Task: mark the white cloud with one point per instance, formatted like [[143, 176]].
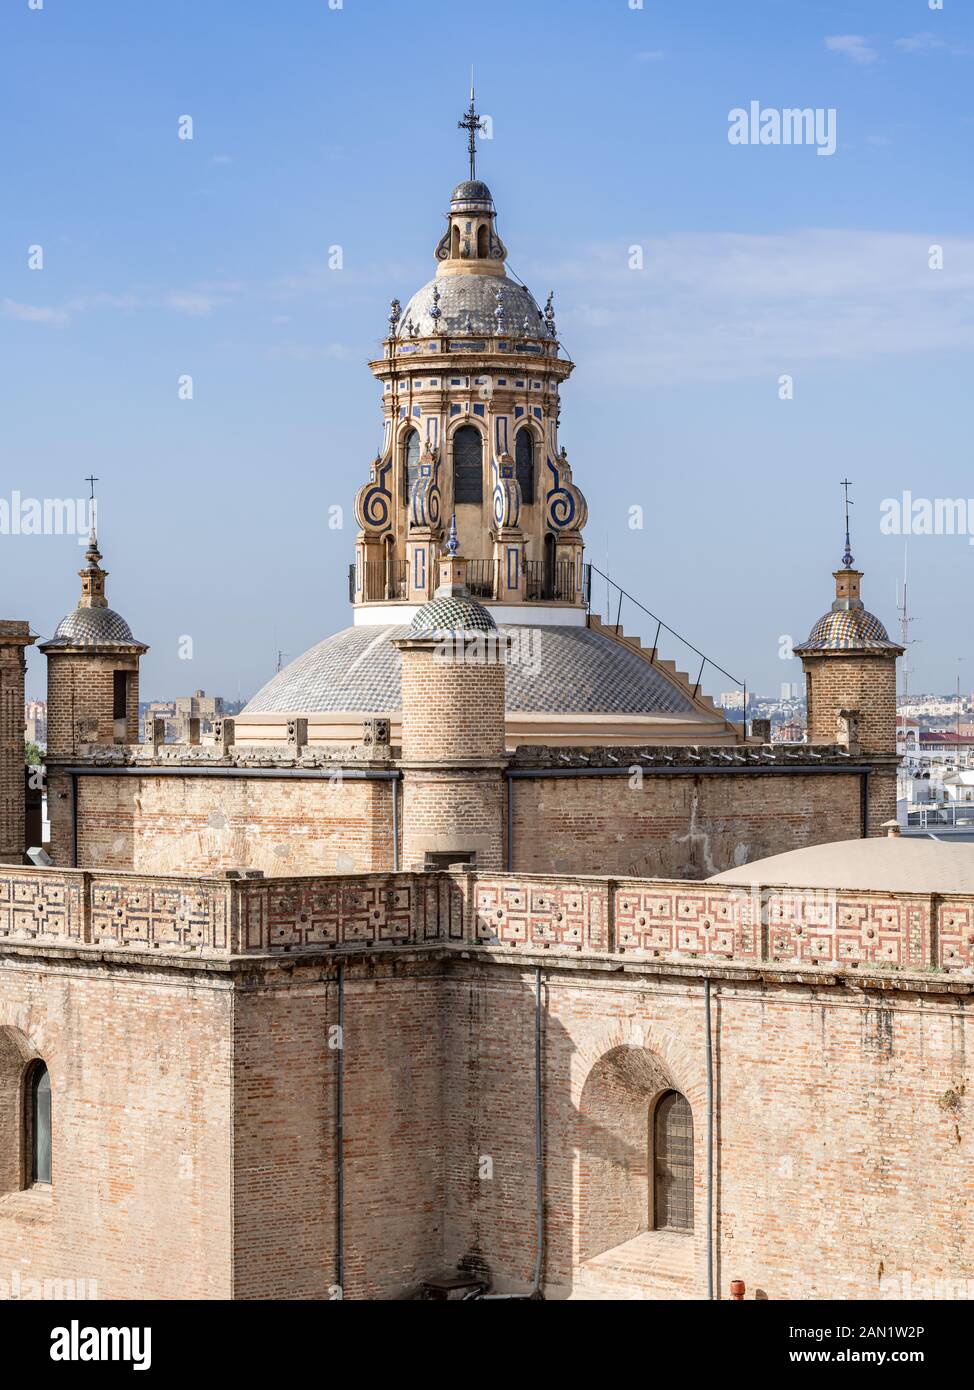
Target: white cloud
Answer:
[[932, 43], [921, 43], [31, 313], [310, 352], [854, 46], [188, 302], [728, 305]]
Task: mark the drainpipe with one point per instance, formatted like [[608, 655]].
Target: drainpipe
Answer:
[[864, 800], [340, 1139], [395, 825], [510, 825], [710, 1139], [74, 818], [538, 1142]]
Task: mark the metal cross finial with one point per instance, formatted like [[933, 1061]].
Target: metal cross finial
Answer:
[[471, 123], [91, 482], [847, 558]]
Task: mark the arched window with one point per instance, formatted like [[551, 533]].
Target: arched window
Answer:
[[673, 1163], [524, 464], [548, 576], [468, 467], [410, 466], [482, 242], [39, 1121]]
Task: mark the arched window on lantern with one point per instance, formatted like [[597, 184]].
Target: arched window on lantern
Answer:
[[410, 464], [468, 466], [673, 1163], [524, 464]]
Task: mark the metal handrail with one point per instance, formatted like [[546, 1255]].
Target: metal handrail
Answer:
[[661, 627]]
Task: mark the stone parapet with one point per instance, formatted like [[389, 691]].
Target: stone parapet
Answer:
[[638, 920]]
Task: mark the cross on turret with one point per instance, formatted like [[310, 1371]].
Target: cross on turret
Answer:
[[472, 123], [847, 558]]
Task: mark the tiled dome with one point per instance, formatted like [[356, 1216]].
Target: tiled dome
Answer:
[[91, 627], [471, 191], [851, 629], [574, 670], [449, 615], [467, 306]]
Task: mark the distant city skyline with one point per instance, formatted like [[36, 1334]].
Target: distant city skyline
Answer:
[[259, 258]]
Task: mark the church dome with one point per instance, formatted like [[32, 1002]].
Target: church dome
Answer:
[[470, 194], [454, 614], [852, 629], [91, 627], [572, 670], [468, 305]]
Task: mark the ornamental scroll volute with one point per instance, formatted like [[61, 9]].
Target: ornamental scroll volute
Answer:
[[506, 494], [373, 501], [565, 505]]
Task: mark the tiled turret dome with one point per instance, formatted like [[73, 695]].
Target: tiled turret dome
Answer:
[[852, 629], [471, 191], [92, 623], [91, 627], [449, 615]]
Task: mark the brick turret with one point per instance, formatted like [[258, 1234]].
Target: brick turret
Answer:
[[453, 748], [92, 690], [15, 637], [850, 672]]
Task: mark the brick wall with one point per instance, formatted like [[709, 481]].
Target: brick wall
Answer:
[[447, 812], [866, 684], [678, 827], [842, 1130], [81, 687], [171, 824], [452, 720], [450, 709], [140, 1065], [841, 1045], [13, 637]]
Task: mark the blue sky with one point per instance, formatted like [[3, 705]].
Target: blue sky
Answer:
[[316, 127]]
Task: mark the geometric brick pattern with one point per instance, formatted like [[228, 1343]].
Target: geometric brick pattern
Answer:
[[513, 913], [826, 928], [40, 907], [955, 934], [651, 917], [698, 921], [298, 913], [157, 914], [794, 927]]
